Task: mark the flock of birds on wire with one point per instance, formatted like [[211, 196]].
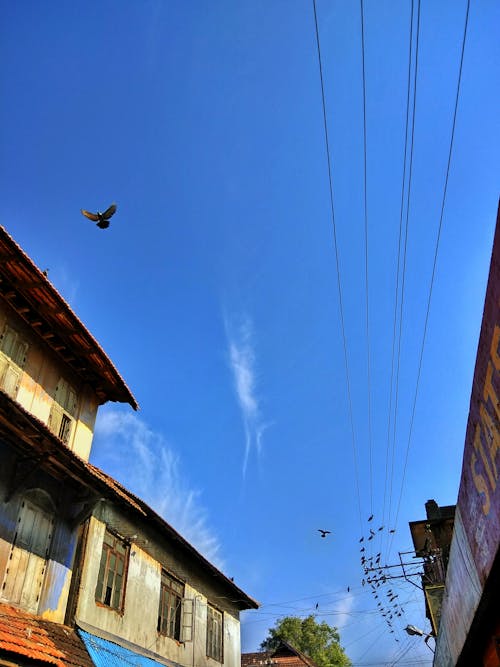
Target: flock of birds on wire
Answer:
[[375, 576]]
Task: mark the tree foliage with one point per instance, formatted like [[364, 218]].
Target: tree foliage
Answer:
[[319, 641]]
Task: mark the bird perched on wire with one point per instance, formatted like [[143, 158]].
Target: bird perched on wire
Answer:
[[102, 219], [324, 533]]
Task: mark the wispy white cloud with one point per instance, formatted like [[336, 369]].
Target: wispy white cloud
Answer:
[[143, 461], [241, 352], [344, 607]]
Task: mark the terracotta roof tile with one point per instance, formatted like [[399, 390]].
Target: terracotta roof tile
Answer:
[[35, 638], [27, 279]]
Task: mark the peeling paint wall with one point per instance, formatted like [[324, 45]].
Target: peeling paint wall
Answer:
[[137, 621], [40, 374], [57, 499]]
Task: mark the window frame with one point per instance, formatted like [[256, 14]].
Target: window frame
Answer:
[[215, 640], [170, 589], [62, 417], [110, 550], [13, 354]]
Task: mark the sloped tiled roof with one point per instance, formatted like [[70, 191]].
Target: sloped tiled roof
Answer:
[[29, 292], [285, 655], [25, 431], [40, 640]]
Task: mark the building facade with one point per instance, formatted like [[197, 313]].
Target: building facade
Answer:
[[76, 547], [469, 629]]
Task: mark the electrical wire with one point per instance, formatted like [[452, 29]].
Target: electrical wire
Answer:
[[367, 309], [396, 296], [436, 250], [405, 246], [337, 263]]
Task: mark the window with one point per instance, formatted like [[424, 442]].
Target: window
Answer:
[[13, 351], [214, 634], [170, 609], [63, 409], [110, 587]]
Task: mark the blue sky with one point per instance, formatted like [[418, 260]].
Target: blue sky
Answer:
[[215, 292]]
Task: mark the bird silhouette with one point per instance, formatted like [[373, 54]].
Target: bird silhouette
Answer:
[[324, 533], [317, 605], [102, 219], [370, 518]]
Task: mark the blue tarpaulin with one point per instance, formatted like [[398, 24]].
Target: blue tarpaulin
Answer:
[[108, 654]]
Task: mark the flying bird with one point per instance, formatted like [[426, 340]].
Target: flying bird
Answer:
[[102, 219], [370, 518], [324, 533]]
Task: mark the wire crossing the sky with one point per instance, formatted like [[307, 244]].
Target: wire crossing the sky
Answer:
[[397, 282], [436, 250], [368, 365], [405, 247], [339, 283]]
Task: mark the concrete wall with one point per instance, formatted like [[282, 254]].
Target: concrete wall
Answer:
[[137, 622], [39, 378]]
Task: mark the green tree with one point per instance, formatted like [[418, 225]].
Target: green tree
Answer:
[[319, 641]]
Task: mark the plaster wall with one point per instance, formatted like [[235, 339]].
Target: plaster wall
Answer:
[[57, 500], [39, 378], [137, 621]]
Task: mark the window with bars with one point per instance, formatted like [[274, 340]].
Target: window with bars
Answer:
[[170, 608], [110, 589], [215, 648]]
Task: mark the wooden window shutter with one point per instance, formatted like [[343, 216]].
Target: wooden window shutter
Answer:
[[187, 620]]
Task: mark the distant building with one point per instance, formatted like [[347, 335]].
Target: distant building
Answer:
[[285, 655], [87, 569], [469, 630], [432, 540]]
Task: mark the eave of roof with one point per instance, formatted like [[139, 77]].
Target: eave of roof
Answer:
[[29, 292], [18, 426], [41, 640]]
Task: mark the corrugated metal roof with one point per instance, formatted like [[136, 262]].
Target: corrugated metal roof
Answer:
[[105, 653], [37, 639], [29, 292]]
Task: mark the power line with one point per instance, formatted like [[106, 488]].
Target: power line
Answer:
[[436, 250], [396, 296], [405, 245], [366, 261], [337, 263]]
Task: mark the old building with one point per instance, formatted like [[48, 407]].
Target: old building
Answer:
[[432, 540], [469, 630], [284, 655], [75, 546]]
